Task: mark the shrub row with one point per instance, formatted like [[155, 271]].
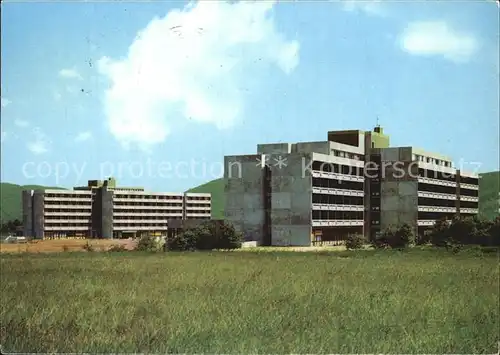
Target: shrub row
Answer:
[[208, 236], [465, 231]]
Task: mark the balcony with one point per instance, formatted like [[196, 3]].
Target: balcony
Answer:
[[426, 222], [469, 198], [337, 222], [437, 209], [333, 191], [67, 228], [469, 210], [65, 214], [146, 200], [67, 220], [74, 207], [427, 180], [469, 186], [437, 195], [337, 176], [140, 221], [131, 207], [83, 198]]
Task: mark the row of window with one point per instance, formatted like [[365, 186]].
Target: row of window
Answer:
[[337, 199], [342, 154], [437, 188], [132, 203], [331, 215], [430, 160], [62, 195], [337, 168], [337, 184], [149, 197], [65, 210], [56, 204]]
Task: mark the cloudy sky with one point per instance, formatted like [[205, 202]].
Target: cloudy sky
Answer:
[[156, 93]]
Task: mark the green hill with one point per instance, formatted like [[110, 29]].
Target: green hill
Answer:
[[489, 194], [216, 188], [11, 202]]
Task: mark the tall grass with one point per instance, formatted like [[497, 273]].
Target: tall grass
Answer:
[[336, 302]]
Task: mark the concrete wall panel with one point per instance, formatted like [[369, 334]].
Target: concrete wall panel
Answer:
[[253, 201], [253, 216], [279, 217], [234, 200], [281, 200], [274, 148], [291, 235], [408, 188], [389, 203], [405, 154], [234, 185], [390, 154]]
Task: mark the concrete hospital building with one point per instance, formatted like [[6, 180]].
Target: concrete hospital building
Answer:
[[353, 182], [103, 210]]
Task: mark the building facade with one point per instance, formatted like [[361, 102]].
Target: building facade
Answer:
[[103, 210], [352, 183]]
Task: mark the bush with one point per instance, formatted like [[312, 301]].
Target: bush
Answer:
[[208, 236], [182, 242], [400, 237], [382, 240], [440, 234], [403, 237], [147, 243], [424, 238], [355, 241], [494, 233], [88, 247], [117, 248]]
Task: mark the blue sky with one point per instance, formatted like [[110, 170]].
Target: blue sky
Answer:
[[156, 93]]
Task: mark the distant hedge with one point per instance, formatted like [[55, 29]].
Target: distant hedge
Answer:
[[207, 236], [466, 231]]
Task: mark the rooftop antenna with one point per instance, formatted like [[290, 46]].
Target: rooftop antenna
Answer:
[[378, 125]]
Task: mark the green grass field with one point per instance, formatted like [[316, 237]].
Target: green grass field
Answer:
[[247, 302]]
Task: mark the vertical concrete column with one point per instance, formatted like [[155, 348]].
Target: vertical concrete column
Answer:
[[457, 202], [107, 213], [38, 217], [27, 213]]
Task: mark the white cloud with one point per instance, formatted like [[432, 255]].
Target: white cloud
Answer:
[[371, 7], [71, 89], [436, 38], [5, 102], [57, 95], [83, 136], [40, 144], [21, 123], [70, 74], [191, 64]]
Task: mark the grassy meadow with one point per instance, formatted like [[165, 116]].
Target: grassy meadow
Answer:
[[415, 301]]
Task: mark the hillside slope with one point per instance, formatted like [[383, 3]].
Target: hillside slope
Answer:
[[11, 201], [489, 194], [216, 188]]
